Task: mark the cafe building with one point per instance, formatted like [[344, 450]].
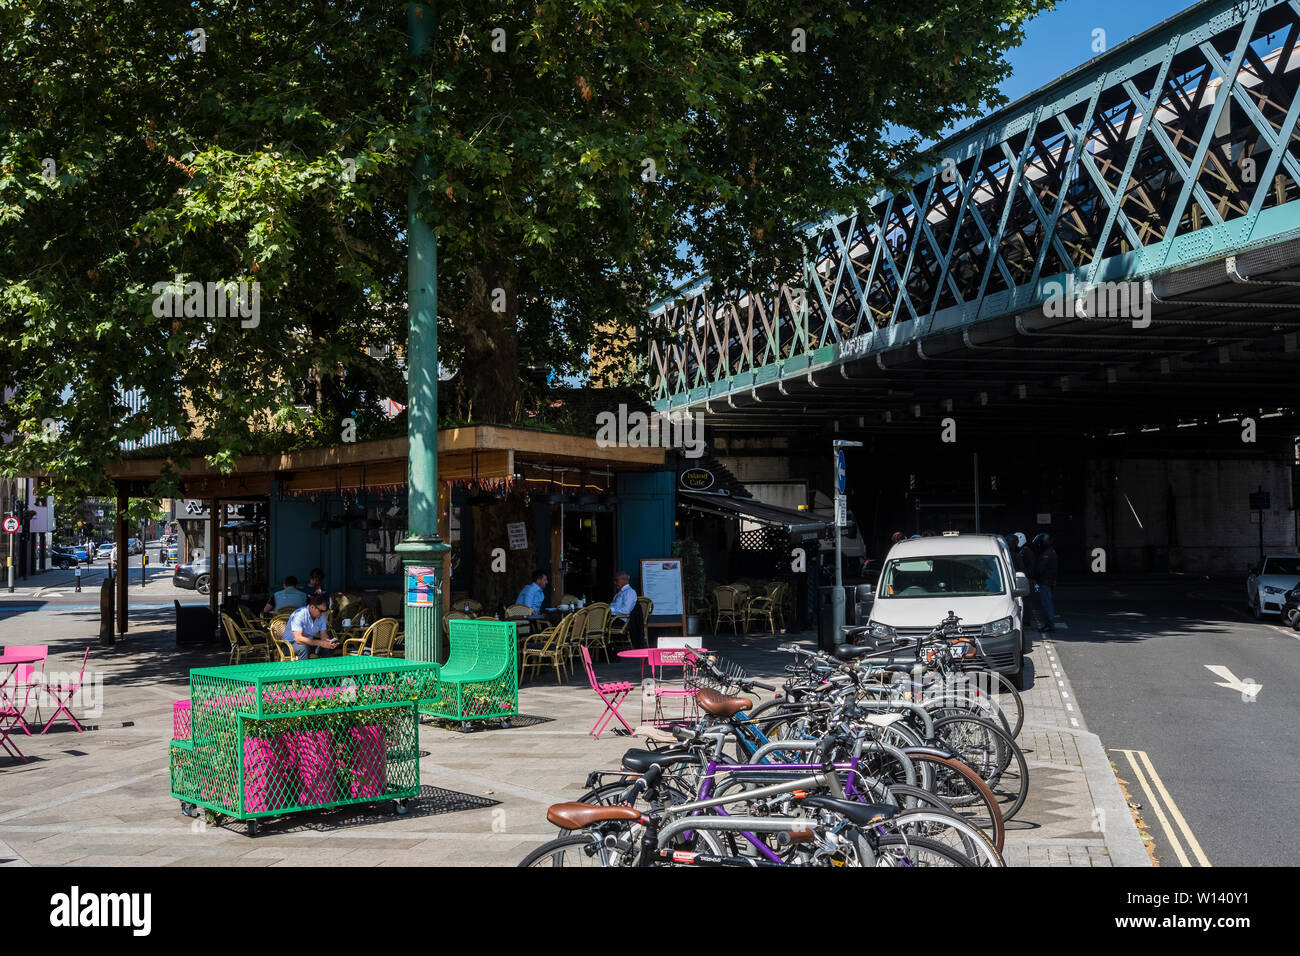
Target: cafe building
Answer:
[[511, 500]]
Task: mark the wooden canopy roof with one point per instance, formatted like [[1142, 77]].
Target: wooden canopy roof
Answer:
[[483, 452]]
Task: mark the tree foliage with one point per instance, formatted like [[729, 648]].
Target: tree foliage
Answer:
[[584, 155]]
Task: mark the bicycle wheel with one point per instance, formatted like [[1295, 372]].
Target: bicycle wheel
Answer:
[[678, 785], [1003, 693], [572, 851], [793, 727], [950, 829], [606, 795], [954, 700], [988, 750], [964, 791], [904, 851]]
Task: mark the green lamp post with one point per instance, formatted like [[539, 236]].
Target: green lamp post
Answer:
[[422, 550]]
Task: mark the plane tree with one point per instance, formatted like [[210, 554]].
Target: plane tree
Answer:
[[583, 155]]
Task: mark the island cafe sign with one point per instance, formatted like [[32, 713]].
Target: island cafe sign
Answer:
[[696, 479]]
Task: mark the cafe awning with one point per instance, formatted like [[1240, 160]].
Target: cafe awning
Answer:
[[469, 454], [729, 506]]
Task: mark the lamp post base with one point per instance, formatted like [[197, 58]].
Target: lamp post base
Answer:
[[422, 565]]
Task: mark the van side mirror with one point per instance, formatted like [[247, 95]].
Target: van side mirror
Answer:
[[1021, 587]]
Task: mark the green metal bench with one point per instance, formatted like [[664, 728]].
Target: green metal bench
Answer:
[[481, 677]]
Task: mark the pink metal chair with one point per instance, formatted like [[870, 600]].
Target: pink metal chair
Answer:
[[63, 694], [25, 683], [612, 694], [13, 707]]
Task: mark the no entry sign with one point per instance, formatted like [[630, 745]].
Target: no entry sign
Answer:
[[11, 524]]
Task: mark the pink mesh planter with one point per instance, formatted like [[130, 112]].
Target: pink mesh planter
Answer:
[[316, 769], [368, 760], [270, 777], [181, 720]]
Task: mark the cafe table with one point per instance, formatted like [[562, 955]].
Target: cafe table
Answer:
[[660, 657], [9, 712]]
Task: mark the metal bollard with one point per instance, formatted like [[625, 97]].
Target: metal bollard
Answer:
[[78, 578], [144, 573], [106, 611]]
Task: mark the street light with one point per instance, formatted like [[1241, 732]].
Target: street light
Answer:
[[841, 517], [422, 550]]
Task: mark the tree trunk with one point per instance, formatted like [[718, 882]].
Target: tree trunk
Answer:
[[488, 388], [496, 588]]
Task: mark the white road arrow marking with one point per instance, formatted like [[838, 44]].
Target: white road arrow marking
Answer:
[[1248, 689]]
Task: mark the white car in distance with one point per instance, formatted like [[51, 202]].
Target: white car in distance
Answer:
[[1269, 580]]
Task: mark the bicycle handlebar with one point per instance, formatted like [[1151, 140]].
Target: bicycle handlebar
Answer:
[[647, 780]]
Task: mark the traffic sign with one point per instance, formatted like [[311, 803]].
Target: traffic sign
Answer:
[[11, 524], [839, 472], [1259, 501]]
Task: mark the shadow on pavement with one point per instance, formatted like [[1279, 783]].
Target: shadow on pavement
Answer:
[[432, 802]]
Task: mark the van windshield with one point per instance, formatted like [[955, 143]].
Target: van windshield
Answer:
[[949, 575]]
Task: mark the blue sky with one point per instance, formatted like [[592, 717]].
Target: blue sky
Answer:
[[1061, 39]]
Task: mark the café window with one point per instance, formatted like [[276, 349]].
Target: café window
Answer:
[[385, 529]]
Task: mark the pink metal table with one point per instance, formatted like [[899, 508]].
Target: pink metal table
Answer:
[[661, 657], [9, 712]]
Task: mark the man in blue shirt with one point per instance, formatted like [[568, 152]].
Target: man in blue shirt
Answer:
[[289, 596], [624, 598], [532, 594], [306, 627]]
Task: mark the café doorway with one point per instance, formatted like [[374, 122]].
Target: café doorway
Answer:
[[589, 554]]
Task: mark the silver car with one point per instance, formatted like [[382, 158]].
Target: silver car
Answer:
[[1268, 582]]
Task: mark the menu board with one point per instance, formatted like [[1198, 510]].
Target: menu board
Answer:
[[661, 582]]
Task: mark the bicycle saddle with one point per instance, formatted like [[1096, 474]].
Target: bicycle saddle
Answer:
[[639, 761], [850, 652], [884, 720], [720, 705], [575, 816], [861, 814], [655, 734]]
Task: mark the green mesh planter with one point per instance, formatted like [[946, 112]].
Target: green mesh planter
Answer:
[[481, 677], [269, 739]]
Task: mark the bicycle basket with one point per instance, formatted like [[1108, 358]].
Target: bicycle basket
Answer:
[[716, 673]]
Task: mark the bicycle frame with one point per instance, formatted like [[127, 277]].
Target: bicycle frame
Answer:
[[687, 814]]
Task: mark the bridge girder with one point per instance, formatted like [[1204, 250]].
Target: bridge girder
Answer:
[[1172, 161]]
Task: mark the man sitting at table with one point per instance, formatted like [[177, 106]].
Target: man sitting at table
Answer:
[[624, 597], [307, 630], [532, 594], [289, 596]]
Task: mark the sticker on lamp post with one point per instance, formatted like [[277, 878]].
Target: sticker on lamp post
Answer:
[[421, 586]]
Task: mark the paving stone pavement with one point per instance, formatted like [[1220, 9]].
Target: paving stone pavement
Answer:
[[101, 798]]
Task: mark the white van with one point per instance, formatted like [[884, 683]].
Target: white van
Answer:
[[971, 575]]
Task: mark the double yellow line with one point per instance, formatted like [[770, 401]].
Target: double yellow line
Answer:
[[1151, 785]]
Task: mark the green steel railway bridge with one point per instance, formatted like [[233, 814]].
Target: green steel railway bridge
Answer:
[[1118, 250]]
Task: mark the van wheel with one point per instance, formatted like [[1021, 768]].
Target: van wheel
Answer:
[[1018, 678]]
